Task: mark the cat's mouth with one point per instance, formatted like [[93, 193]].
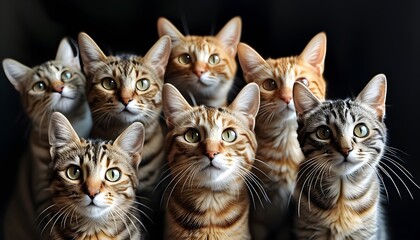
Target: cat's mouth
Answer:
[[210, 166]]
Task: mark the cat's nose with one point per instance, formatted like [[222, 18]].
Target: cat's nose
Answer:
[[345, 151], [125, 101], [211, 154], [57, 87], [286, 99]]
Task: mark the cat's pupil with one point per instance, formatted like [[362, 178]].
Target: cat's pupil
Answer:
[[39, 86], [214, 59], [66, 75], [185, 58], [192, 136], [361, 130], [269, 85], [113, 175], [323, 132], [73, 172], [143, 84], [109, 83], [229, 135]]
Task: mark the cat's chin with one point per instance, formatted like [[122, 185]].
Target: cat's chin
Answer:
[[93, 211]]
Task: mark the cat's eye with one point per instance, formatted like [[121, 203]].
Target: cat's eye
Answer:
[[361, 130], [229, 135], [192, 135], [214, 59], [143, 84], [74, 172], [109, 83], [303, 80], [184, 58], [269, 85], [323, 132], [66, 76], [39, 86], [113, 174]]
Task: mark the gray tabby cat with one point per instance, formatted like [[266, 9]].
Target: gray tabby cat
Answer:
[[93, 184], [54, 86], [338, 190]]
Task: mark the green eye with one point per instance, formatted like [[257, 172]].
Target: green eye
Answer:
[[143, 84], [323, 132], [39, 86], [269, 85], [184, 58], [66, 76], [113, 174], [109, 83], [361, 130], [192, 135], [214, 59], [73, 172], [229, 135]]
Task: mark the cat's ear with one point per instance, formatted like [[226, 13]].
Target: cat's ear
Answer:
[[374, 95], [247, 102], [61, 132], [159, 54], [89, 51], [66, 55], [315, 51], [174, 104], [165, 27], [304, 99], [250, 60], [131, 140], [16, 72], [230, 35]]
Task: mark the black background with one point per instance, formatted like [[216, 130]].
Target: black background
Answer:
[[364, 38]]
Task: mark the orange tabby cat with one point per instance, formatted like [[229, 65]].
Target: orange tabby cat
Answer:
[[203, 68], [278, 151]]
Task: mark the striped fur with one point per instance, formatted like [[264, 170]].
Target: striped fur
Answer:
[[207, 196], [53, 86], [278, 151], [200, 79], [338, 187], [93, 185]]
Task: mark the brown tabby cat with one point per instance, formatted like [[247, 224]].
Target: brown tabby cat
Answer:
[[203, 68], [210, 154], [53, 86], [278, 151], [338, 185], [93, 184]]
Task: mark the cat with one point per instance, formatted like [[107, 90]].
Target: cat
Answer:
[[93, 184], [210, 154], [203, 68], [53, 86], [338, 186], [278, 151]]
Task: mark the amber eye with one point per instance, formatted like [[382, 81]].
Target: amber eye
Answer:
[[184, 58], [214, 59], [323, 132], [109, 83], [192, 135], [303, 80], [73, 172], [39, 86], [66, 76], [269, 85], [113, 174], [229, 135], [143, 84], [361, 130]]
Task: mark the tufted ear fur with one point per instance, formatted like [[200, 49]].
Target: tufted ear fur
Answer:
[[374, 95], [304, 99], [315, 51], [174, 103], [247, 102]]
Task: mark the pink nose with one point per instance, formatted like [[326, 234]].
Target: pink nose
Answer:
[[211, 154]]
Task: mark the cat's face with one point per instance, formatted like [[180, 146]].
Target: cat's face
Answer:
[[202, 64], [276, 77], [56, 85], [343, 136], [210, 147], [124, 88]]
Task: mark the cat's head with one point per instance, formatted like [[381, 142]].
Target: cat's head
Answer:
[[124, 88], [345, 135], [211, 147], [202, 64], [276, 77], [56, 85], [90, 177]]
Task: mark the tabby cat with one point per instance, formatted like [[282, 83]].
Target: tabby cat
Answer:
[[93, 184], [123, 89], [338, 186], [210, 154], [278, 151], [53, 86], [203, 68]]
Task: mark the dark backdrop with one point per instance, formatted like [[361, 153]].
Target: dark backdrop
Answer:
[[364, 38]]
